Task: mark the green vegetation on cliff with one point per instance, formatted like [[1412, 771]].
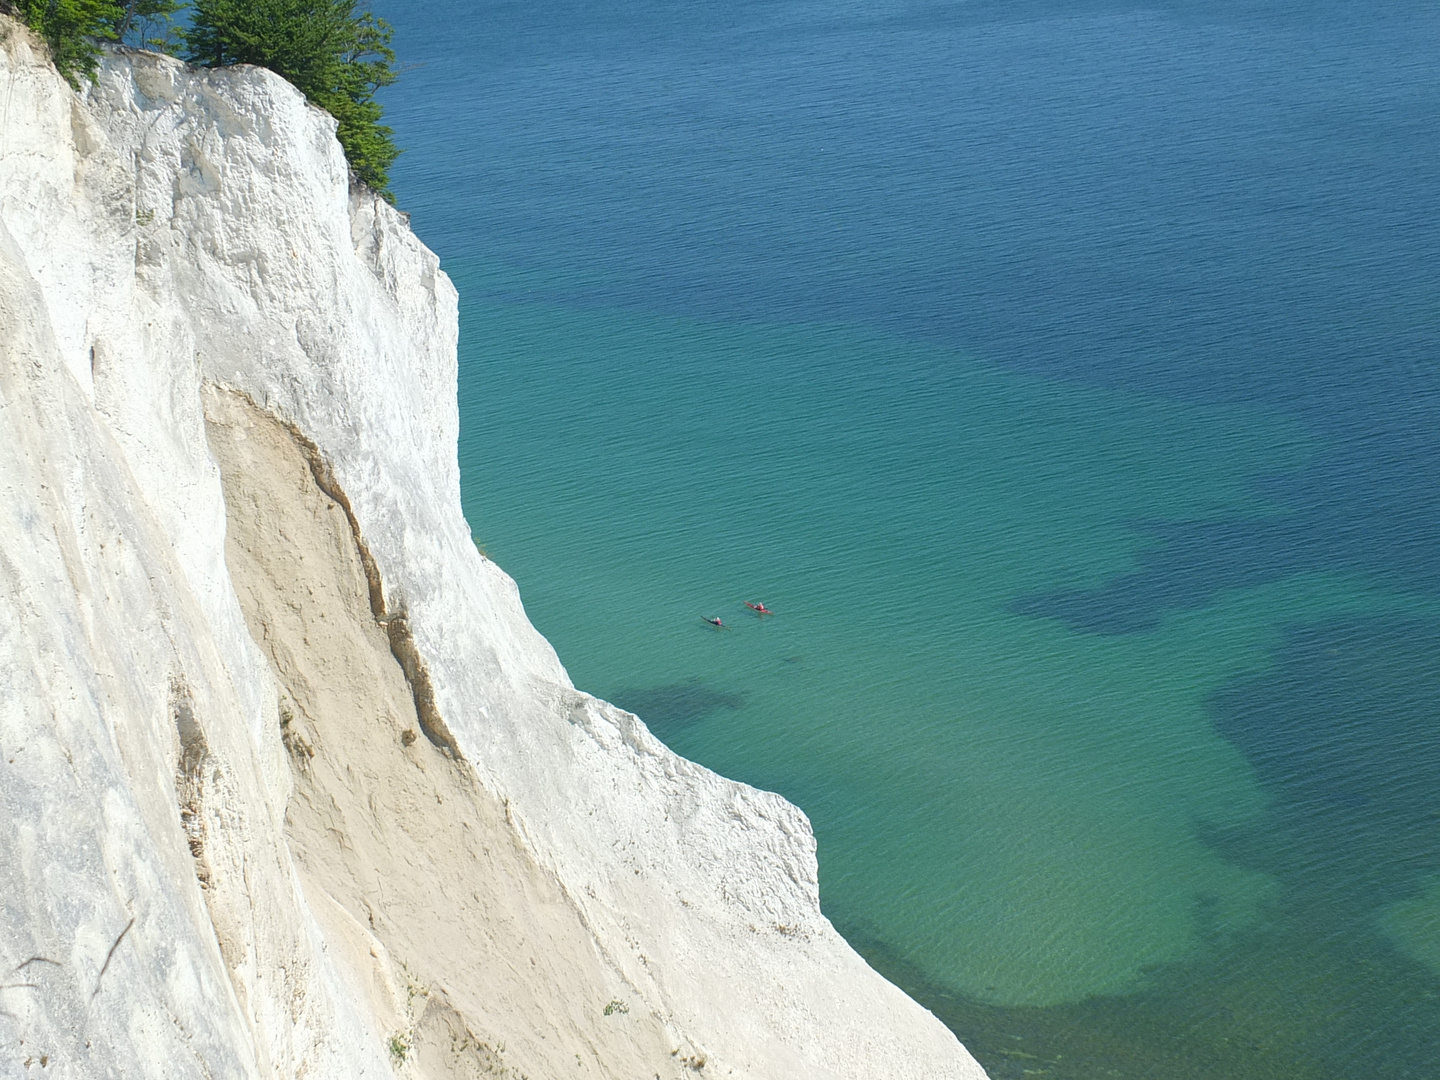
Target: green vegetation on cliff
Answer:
[[337, 56], [335, 52], [74, 29]]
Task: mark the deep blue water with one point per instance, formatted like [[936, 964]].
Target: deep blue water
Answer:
[[1068, 377]]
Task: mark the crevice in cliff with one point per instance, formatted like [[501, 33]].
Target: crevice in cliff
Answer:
[[206, 800], [190, 776]]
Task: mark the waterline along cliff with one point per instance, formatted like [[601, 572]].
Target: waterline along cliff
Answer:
[[290, 785]]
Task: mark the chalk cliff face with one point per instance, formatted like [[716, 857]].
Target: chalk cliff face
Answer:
[[290, 785]]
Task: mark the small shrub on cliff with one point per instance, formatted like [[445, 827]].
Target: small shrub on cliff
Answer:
[[399, 1048], [335, 55]]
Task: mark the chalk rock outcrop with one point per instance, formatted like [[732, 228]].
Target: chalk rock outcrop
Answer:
[[290, 785]]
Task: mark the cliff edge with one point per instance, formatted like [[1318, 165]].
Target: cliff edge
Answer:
[[291, 787]]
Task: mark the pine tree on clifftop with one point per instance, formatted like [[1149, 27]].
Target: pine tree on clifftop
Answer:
[[337, 56]]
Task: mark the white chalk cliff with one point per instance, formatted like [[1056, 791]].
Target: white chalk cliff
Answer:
[[289, 786]]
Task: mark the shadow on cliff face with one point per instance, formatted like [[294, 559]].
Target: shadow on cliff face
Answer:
[[671, 708]]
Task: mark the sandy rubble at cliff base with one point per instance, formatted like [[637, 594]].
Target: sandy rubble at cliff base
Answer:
[[472, 958]]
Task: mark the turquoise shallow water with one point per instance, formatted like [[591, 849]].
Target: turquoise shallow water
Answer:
[[1013, 813], [1066, 381]]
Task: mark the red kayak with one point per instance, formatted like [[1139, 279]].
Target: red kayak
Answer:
[[759, 609]]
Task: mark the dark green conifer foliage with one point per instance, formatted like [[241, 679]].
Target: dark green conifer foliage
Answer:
[[336, 56]]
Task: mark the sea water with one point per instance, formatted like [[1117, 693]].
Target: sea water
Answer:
[[1066, 378]]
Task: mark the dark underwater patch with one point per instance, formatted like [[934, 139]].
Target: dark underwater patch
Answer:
[[673, 707], [1270, 1007], [1367, 506], [1344, 734], [1188, 565]]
